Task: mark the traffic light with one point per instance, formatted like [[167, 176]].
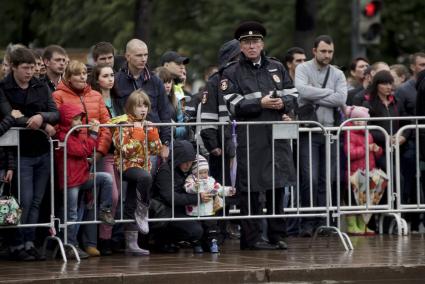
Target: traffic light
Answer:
[[369, 29]]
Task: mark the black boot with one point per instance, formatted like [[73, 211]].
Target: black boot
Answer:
[[105, 247]]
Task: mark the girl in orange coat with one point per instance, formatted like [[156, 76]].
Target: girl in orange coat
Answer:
[[133, 145]]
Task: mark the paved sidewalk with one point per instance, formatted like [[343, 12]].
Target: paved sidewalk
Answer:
[[380, 259]]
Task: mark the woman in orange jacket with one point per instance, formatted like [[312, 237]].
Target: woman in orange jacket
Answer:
[[74, 90]]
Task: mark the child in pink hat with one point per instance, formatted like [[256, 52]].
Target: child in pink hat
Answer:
[[356, 148]]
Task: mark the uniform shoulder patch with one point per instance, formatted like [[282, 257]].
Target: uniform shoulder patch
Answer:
[[204, 97], [224, 84]]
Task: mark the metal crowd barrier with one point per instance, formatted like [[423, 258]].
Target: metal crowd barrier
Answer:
[[281, 130], [418, 204], [11, 139], [384, 209], [290, 131]]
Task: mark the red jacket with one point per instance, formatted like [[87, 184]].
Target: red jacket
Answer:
[[357, 150], [92, 103], [80, 147]]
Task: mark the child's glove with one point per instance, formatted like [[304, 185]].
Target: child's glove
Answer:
[[94, 125]]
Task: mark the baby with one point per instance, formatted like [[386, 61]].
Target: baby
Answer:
[[200, 181]]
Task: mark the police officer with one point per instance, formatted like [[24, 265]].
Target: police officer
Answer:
[[258, 88], [214, 110]]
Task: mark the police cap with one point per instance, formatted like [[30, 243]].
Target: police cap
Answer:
[[250, 29]]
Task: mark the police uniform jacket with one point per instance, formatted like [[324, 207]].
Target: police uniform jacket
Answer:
[[242, 87], [214, 110]]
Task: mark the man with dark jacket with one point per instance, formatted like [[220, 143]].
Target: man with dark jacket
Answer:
[[27, 94], [136, 75], [258, 88]]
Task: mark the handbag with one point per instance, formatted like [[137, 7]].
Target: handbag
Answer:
[[10, 210], [307, 112]]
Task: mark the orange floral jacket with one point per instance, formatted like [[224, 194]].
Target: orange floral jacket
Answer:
[[132, 144]]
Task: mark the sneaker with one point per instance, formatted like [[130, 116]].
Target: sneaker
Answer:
[[141, 216], [105, 215], [21, 255], [70, 253], [34, 252], [92, 251], [214, 247]]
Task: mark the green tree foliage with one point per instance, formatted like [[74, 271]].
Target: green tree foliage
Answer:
[[80, 23], [198, 28], [205, 25]]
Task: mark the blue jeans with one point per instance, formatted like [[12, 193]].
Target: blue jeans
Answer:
[[34, 177], [78, 213]]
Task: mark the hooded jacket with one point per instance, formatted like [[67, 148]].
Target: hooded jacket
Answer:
[[214, 108], [80, 146], [357, 150], [183, 151], [93, 106]]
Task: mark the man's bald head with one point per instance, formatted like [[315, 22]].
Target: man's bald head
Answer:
[[135, 44], [136, 53]]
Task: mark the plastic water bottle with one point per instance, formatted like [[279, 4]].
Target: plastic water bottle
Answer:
[[214, 246]]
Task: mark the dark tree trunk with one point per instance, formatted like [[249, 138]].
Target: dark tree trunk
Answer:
[[141, 19], [305, 24], [27, 36]]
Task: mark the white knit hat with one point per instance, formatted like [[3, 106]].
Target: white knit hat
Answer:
[[200, 163]]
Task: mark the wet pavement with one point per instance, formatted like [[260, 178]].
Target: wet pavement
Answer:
[[380, 259]]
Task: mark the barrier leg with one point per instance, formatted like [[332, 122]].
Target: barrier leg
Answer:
[[60, 246], [381, 224], [348, 240], [405, 227], [77, 256], [401, 224], [334, 230]]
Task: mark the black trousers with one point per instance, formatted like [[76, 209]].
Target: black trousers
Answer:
[[251, 229], [139, 186], [176, 231], [216, 169]]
